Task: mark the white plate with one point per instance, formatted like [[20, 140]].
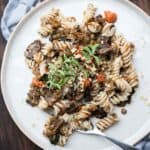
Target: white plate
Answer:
[[16, 77]]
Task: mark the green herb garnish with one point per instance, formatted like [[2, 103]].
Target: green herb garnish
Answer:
[[89, 52], [59, 75]]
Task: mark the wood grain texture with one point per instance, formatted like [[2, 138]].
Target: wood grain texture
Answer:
[[10, 136]]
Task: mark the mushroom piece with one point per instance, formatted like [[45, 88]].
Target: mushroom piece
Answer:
[[33, 48]]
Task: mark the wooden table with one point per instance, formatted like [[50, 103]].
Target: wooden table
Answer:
[[10, 136]]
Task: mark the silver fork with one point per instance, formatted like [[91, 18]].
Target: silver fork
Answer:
[[95, 131]]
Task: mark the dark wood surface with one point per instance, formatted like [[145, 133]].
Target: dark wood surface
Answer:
[[10, 136]]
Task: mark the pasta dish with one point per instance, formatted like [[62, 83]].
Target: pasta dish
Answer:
[[81, 71]]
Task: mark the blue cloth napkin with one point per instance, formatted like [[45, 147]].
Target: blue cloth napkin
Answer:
[[13, 12]]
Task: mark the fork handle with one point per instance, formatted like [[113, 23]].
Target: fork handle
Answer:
[[120, 144]]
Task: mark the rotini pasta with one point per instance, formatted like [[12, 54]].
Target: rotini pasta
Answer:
[[119, 97], [38, 57], [95, 88], [102, 100], [46, 30], [69, 23], [132, 77], [60, 107], [117, 64], [61, 45], [127, 52], [89, 13], [51, 18], [86, 111], [107, 122], [123, 85], [47, 49]]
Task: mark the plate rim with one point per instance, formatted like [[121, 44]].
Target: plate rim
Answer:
[[6, 51]]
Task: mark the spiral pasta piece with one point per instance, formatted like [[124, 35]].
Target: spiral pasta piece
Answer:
[[107, 122], [95, 88], [62, 45], [47, 49], [117, 64], [123, 85], [60, 107], [46, 30], [127, 52], [89, 13], [119, 97], [69, 23], [132, 77], [50, 16], [86, 111], [38, 57], [108, 30], [118, 41], [102, 100]]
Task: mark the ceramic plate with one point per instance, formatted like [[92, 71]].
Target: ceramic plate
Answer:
[[16, 77]]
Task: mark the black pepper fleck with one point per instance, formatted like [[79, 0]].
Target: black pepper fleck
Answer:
[[123, 111]]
